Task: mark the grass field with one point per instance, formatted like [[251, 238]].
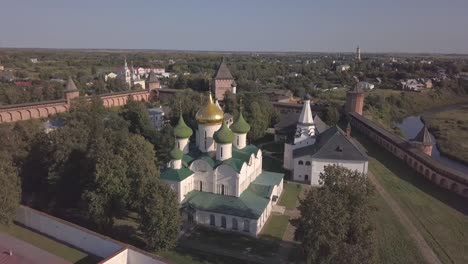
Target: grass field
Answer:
[[451, 131], [275, 226], [186, 256], [440, 216], [290, 194], [49, 245]]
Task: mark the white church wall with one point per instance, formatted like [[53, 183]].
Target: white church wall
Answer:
[[203, 218], [204, 173], [319, 165], [302, 171], [205, 137], [226, 176]]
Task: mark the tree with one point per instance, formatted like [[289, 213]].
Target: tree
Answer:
[[10, 190], [159, 216], [334, 226], [332, 116]]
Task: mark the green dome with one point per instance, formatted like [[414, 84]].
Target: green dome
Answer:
[[176, 153], [181, 130], [224, 135], [240, 126]]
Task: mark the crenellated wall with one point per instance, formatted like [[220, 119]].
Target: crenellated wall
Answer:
[[44, 109], [420, 162]]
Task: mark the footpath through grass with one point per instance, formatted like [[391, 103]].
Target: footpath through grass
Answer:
[[290, 195], [52, 246], [440, 216]]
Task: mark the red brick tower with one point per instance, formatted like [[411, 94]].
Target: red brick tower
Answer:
[[71, 92], [355, 100], [423, 141], [223, 82]]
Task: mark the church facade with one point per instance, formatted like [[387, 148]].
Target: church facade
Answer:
[[219, 180], [310, 150]]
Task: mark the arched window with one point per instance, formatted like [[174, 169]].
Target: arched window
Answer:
[[201, 186], [222, 189], [307, 163], [237, 140], [300, 162], [246, 226], [212, 220], [306, 177], [234, 224], [221, 154], [223, 222]]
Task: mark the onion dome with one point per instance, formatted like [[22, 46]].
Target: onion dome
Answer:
[[181, 130], [176, 153], [210, 113], [240, 126], [224, 135]]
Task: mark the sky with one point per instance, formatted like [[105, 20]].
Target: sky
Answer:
[[433, 26]]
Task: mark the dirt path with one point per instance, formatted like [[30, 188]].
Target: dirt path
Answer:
[[422, 245]]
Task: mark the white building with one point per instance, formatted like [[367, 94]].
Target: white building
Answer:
[[157, 117], [365, 86], [311, 151], [220, 181], [110, 75], [342, 68]]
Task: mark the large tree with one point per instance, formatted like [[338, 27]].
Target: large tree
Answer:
[[10, 189], [159, 216], [334, 226]]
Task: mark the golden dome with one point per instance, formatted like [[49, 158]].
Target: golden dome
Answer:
[[210, 113]]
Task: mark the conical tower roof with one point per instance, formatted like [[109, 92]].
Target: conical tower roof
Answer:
[[306, 117], [176, 153], [181, 130], [223, 72], [152, 77], [240, 126], [71, 87], [423, 137], [224, 135]]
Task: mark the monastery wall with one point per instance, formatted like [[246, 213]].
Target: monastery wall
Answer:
[[44, 109], [423, 164]]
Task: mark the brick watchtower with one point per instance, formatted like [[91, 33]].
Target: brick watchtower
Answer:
[[71, 92], [423, 141], [152, 83], [223, 82], [355, 100]]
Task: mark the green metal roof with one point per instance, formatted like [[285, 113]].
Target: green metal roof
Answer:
[[176, 153], [251, 204], [176, 175], [181, 130], [240, 126], [224, 135]]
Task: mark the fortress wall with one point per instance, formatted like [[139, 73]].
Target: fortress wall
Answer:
[[421, 163]]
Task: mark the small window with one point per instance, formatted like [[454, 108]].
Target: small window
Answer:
[[307, 163], [201, 186], [221, 154], [212, 220], [246, 226], [234, 224], [301, 162], [222, 189], [223, 222]]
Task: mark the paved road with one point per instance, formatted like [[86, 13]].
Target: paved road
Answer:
[[422, 245]]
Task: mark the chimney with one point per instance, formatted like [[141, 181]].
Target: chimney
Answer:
[[348, 130]]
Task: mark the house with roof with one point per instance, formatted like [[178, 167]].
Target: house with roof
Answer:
[[313, 148], [219, 180]]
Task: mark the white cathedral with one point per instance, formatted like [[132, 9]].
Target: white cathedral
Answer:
[[309, 150], [219, 181]]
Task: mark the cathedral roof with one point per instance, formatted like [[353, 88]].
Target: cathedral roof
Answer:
[[240, 126], [423, 137], [251, 203], [176, 153], [210, 113], [176, 174], [71, 87], [223, 72], [332, 144], [181, 130]]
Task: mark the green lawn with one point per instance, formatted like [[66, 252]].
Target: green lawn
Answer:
[[290, 194], [275, 226], [393, 244], [49, 245], [440, 216], [186, 256]]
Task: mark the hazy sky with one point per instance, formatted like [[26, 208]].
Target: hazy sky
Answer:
[[238, 25]]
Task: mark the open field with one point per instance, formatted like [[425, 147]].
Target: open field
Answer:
[[290, 195], [440, 216], [451, 131], [50, 245]]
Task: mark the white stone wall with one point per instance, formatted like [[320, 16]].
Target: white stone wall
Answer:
[[288, 160], [227, 177], [240, 141], [317, 167], [205, 133], [203, 218], [223, 151], [183, 144], [120, 258]]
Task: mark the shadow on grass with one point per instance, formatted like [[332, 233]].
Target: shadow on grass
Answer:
[[406, 173], [89, 260]]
